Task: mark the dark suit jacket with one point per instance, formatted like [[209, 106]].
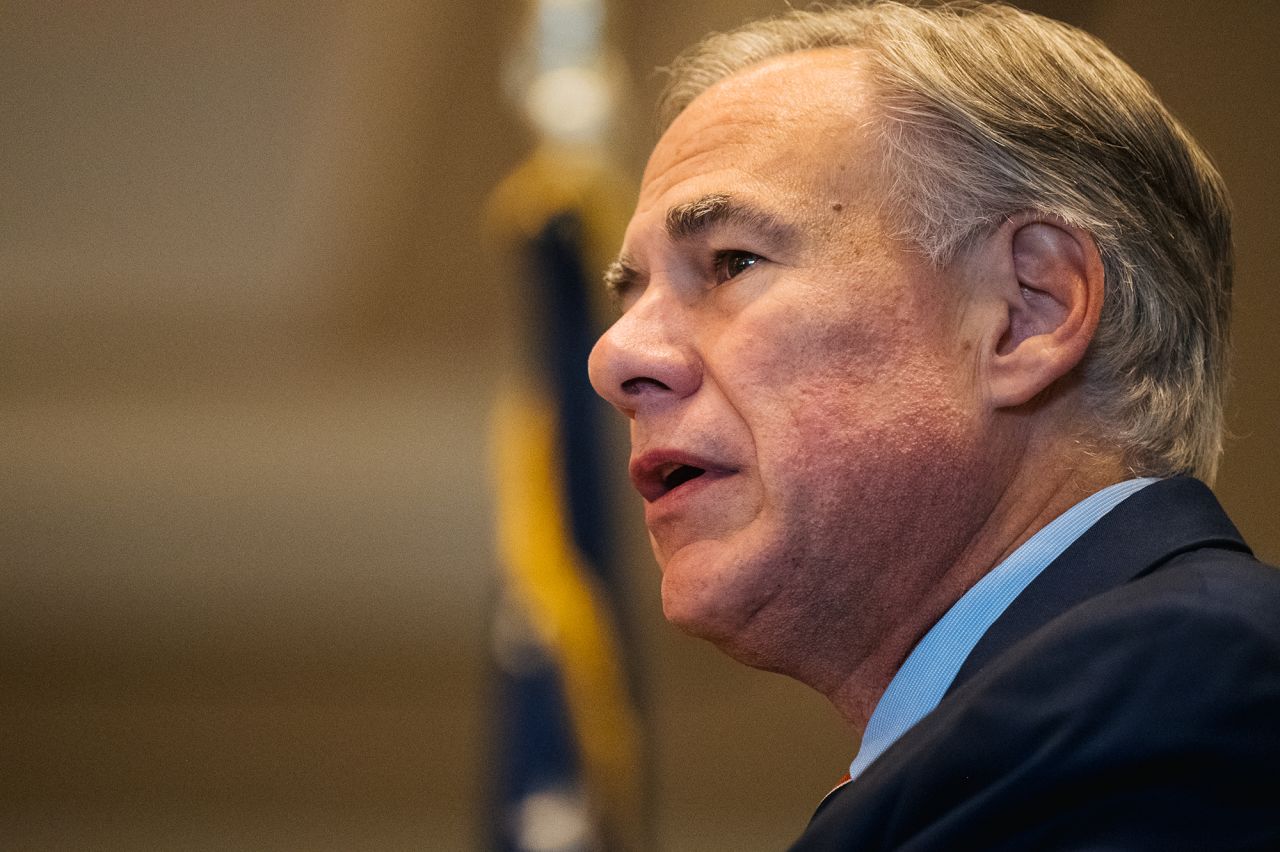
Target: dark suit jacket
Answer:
[[1129, 698]]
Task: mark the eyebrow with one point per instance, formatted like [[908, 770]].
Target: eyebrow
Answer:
[[620, 276], [694, 219]]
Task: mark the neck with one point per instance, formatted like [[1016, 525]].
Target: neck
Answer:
[[1032, 498]]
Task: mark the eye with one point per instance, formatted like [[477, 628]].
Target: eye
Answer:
[[732, 263]]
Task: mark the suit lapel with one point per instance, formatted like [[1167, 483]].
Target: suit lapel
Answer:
[[1138, 536], [1135, 538]]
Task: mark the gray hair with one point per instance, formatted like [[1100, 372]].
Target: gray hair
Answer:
[[987, 111]]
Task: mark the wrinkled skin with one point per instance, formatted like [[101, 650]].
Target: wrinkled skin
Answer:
[[828, 379]]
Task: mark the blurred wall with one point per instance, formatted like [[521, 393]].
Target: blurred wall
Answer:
[[248, 337]]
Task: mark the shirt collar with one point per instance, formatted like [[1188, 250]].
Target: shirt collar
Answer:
[[932, 665]]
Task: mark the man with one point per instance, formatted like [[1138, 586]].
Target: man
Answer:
[[923, 341]]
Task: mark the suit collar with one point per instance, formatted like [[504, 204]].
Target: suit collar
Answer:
[[1138, 536]]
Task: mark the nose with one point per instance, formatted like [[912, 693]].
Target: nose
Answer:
[[646, 359]]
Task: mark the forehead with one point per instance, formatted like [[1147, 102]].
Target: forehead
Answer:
[[783, 129]]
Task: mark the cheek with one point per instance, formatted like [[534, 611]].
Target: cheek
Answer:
[[833, 399], [816, 356]]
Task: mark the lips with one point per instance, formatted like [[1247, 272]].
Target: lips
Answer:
[[660, 472]]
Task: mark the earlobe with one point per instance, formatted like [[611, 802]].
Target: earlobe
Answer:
[[1052, 293]]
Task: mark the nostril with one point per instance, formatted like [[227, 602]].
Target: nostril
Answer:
[[636, 385]]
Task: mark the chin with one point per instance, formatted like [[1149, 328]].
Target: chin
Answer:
[[693, 607], [731, 621]]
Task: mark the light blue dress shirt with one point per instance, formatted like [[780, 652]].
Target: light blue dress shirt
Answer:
[[933, 664]]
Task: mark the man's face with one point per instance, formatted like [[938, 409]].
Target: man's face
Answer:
[[804, 422]]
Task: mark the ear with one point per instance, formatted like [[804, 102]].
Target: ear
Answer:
[[1048, 297]]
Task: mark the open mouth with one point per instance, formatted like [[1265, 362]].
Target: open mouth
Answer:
[[658, 473], [679, 474]]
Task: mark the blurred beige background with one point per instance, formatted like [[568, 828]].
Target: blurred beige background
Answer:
[[249, 333]]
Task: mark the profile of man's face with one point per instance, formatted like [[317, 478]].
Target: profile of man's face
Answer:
[[804, 417]]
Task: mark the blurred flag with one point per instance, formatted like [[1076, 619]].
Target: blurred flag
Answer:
[[570, 738], [568, 764]]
